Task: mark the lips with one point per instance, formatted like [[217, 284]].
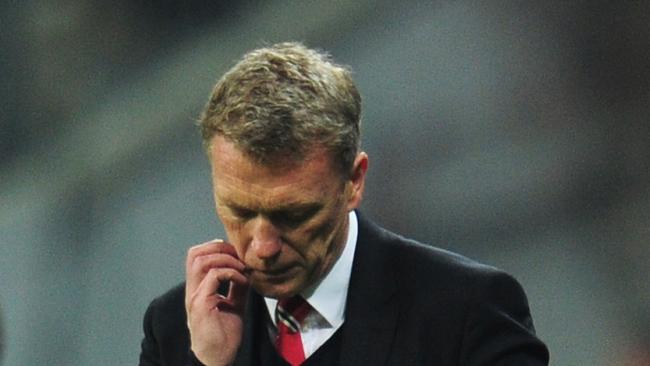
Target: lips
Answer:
[[273, 272]]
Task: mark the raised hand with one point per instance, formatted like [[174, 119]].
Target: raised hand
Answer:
[[215, 321]]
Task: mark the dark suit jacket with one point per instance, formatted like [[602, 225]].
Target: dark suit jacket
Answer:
[[408, 304]]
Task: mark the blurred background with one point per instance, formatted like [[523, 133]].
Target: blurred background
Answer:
[[515, 133]]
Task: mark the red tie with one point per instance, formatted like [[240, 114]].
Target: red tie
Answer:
[[289, 314]]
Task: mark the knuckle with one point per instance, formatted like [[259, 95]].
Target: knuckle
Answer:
[[198, 261], [214, 272]]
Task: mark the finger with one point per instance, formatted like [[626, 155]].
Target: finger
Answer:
[[206, 296], [211, 247], [237, 296], [203, 264]]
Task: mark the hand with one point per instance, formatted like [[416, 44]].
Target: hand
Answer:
[[215, 322]]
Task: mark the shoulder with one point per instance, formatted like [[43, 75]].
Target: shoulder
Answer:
[[166, 337], [170, 299], [413, 256], [168, 310], [424, 270], [479, 311]]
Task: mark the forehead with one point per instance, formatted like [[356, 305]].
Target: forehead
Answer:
[[241, 178]]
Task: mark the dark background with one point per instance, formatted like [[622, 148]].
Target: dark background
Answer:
[[515, 133]]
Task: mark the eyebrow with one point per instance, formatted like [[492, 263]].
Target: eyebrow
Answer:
[[296, 207]]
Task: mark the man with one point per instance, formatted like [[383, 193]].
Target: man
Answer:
[[304, 278]]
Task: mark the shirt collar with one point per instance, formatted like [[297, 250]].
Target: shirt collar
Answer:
[[328, 297]]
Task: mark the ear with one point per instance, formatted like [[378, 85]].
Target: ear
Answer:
[[357, 180]]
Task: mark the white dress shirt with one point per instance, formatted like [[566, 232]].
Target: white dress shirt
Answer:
[[327, 298]]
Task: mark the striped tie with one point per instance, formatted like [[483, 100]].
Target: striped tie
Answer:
[[289, 314]]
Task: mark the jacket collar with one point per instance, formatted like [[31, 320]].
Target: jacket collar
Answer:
[[372, 306]]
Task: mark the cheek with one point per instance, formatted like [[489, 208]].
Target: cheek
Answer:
[[235, 233], [326, 228], [318, 238], [322, 231], [231, 226]]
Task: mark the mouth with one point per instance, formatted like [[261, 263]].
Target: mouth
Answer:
[[272, 272]]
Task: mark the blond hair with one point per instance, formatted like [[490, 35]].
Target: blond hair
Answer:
[[283, 100]]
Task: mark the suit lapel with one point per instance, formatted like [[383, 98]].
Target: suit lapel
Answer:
[[372, 305]]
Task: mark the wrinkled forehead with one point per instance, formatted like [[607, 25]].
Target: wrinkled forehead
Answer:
[[286, 158], [242, 181]]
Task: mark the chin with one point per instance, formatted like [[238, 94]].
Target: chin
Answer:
[[276, 291]]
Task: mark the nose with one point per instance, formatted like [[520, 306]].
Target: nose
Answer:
[[266, 242]]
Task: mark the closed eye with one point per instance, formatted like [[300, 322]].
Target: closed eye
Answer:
[[293, 217], [242, 213]]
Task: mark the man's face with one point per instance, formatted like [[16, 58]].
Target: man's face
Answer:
[[288, 221]]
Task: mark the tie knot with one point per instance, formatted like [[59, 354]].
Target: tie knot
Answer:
[[292, 312]]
